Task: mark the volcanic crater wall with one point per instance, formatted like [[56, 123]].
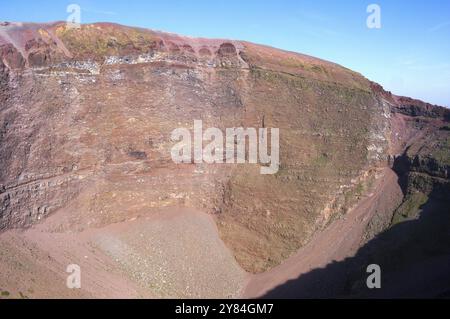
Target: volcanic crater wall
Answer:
[[86, 116]]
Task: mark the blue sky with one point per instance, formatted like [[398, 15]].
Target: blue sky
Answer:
[[409, 55]]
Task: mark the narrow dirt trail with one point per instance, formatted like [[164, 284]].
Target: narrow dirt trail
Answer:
[[337, 242]]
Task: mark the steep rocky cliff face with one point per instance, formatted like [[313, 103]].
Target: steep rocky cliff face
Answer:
[[418, 154], [86, 117], [423, 165], [401, 223]]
